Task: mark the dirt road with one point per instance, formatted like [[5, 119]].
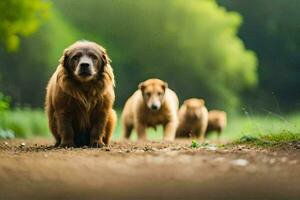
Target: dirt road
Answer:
[[153, 170]]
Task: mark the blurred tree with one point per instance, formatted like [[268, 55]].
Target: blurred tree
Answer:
[[24, 74], [4, 102], [20, 18], [192, 44], [272, 28]]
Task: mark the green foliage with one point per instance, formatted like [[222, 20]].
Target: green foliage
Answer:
[[6, 134], [274, 35], [195, 144], [195, 40], [35, 61], [264, 130], [179, 41], [284, 136], [250, 127], [269, 139], [248, 139], [20, 18], [24, 123], [191, 44], [4, 102], [4, 106]]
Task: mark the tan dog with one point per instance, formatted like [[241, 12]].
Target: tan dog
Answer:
[[153, 104], [80, 97], [193, 119], [217, 121]]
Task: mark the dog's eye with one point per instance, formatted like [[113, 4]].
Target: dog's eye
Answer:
[[76, 57], [160, 94], [94, 57], [148, 94]]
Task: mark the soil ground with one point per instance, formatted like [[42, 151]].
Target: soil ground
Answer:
[[33, 169]]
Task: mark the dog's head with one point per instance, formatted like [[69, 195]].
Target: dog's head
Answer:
[[85, 60], [194, 108], [153, 91]]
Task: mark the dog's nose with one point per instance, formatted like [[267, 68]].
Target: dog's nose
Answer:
[[154, 107], [84, 65]]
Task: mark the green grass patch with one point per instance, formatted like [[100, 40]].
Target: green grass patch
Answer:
[[260, 130], [269, 139], [258, 126], [195, 144], [6, 134], [23, 123]]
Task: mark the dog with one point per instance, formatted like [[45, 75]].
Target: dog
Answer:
[[151, 105], [80, 97], [217, 121], [193, 119]]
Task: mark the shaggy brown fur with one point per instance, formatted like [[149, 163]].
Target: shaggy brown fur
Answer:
[[80, 97], [193, 119], [217, 121], [153, 104]]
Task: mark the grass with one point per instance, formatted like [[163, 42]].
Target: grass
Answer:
[[260, 130], [195, 144], [255, 126], [269, 139], [266, 128], [24, 123]]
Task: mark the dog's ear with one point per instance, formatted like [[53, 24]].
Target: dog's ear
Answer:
[[201, 102], [142, 86], [103, 54], [184, 102], [165, 85], [106, 60], [65, 57]]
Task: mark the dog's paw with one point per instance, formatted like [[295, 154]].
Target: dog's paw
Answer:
[[67, 144], [168, 139], [56, 144], [97, 144]]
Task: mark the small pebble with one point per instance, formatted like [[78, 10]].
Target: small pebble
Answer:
[[293, 162], [272, 161], [283, 159], [212, 148], [240, 162]]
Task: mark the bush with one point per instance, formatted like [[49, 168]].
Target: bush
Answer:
[[192, 44], [4, 102], [25, 123], [20, 18]]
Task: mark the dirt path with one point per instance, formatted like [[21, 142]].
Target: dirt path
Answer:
[[152, 170]]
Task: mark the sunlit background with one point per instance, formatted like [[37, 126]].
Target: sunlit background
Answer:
[[240, 56]]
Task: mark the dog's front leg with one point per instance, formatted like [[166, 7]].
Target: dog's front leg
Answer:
[[170, 130], [65, 129], [202, 132], [98, 129], [141, 131]]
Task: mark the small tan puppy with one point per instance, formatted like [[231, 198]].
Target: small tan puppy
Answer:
[[153, 104], [193, 119], [217, 121]]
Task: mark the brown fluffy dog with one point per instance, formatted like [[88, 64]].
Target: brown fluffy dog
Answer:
[[193, 119], [80, 97], [153, 104], [217, 121]]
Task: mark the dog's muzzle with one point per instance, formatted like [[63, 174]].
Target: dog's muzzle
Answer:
[[154, 106], [85, 69]]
